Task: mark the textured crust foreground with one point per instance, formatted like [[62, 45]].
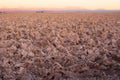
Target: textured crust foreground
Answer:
[[59, 46]]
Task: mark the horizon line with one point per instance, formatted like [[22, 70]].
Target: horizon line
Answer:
[[67, 10], [57, 9]]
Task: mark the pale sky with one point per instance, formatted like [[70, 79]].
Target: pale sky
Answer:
[[60, 4]]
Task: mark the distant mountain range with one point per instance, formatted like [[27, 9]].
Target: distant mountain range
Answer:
[[88, 10], [65, 10]]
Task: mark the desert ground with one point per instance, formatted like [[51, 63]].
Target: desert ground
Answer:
[[59, 46]]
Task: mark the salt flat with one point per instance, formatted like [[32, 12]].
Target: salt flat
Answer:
[[59, 46]]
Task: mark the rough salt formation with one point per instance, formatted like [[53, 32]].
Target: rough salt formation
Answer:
[[59, 46]]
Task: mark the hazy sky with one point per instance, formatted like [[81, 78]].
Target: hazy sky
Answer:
[[61, 4]]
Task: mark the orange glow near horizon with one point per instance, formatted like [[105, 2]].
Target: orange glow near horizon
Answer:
[[60, 4]]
